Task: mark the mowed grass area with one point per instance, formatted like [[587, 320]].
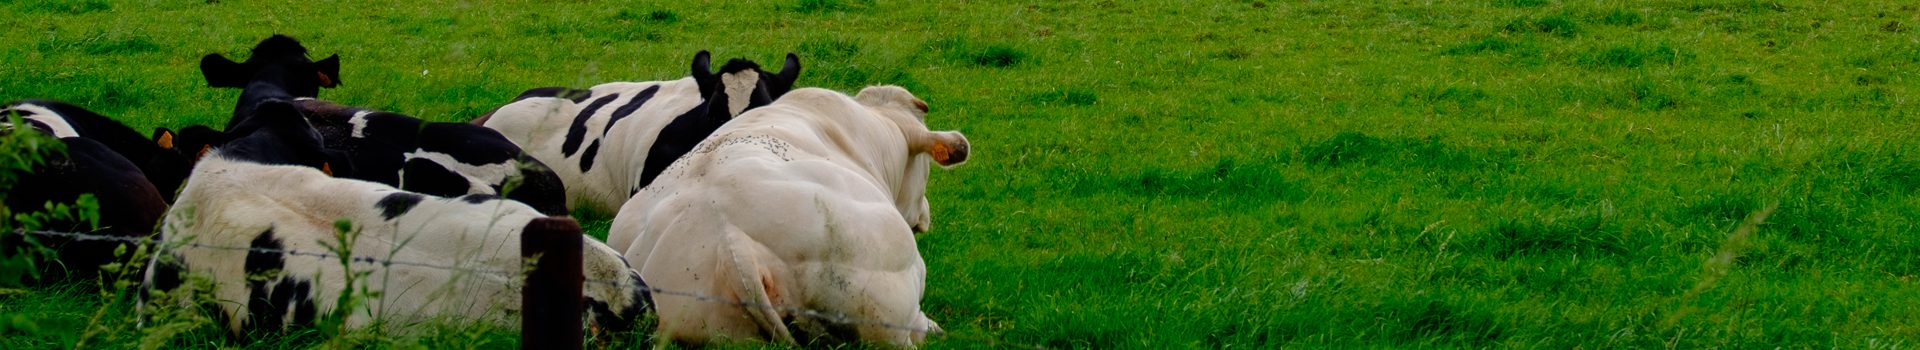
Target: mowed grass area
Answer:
[[1504, 173]]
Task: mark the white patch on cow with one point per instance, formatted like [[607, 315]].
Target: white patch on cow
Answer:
[[739, 86], [480, 178], [359, 122], [303, 99], [47, 116]]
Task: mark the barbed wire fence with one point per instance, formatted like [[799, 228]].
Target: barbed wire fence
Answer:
[[831, 317]]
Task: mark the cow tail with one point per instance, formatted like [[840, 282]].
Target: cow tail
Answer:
[[754, 286]]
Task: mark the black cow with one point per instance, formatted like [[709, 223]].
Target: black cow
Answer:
[[129, 206], [276, 134], [277, 70], [164, 166]]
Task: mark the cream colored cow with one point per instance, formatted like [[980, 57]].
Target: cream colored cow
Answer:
[[808, 203]]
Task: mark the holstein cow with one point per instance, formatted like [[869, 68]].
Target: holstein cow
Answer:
[[261, 192], [128, 205], [442, 159], [609, 141], [164, 167], [810, 202], [446, 159]]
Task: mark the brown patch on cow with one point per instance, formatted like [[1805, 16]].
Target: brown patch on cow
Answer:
[[922, 105], [327, 168], [949, 148], [203, 152], [941, 152]]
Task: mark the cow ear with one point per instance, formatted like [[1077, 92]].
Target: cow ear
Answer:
[[703, 73], [223, 72], [789, 73], [163, 137], [328, 71], [949, 148]]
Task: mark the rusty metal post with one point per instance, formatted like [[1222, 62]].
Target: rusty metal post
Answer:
[[550, 305]]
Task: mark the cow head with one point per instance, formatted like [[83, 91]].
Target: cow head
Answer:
[[741, 84], [280, 60], [277, 134], [616, 299], [924, 147]]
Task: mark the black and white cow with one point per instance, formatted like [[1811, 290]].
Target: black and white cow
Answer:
[[443, 159], [447, 159], [609, 141], [261, 192], [129, 206], [810, 203], [164, 166], [277, 70]]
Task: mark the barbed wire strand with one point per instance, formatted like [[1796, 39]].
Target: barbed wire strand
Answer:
[[836, 318]]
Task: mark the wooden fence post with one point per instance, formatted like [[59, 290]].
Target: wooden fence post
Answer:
[[550, 313]]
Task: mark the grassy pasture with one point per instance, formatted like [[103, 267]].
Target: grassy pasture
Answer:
[[1503, 173]]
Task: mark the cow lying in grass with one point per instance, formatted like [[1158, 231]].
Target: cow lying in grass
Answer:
[[810, 202], [128, 205], [442, 159], [446, 159], [265, 193], [609, 141], [163, 166]]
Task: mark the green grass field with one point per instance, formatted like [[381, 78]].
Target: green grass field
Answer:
[[1215, 174]]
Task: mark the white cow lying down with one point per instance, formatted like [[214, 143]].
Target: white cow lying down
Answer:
[[270, 208], [810, 202]]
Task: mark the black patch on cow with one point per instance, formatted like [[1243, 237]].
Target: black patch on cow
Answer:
[[478, 198], [264, 263], [468, 144], [629, 108], [578, 132], [432, 178], [539, 187], [679, 136], [586, 160], [576, 95], [269, 304], [396, 204], [264, 255], [303, 307]]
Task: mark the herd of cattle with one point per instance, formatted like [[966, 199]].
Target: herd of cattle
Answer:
[[731, 184]]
